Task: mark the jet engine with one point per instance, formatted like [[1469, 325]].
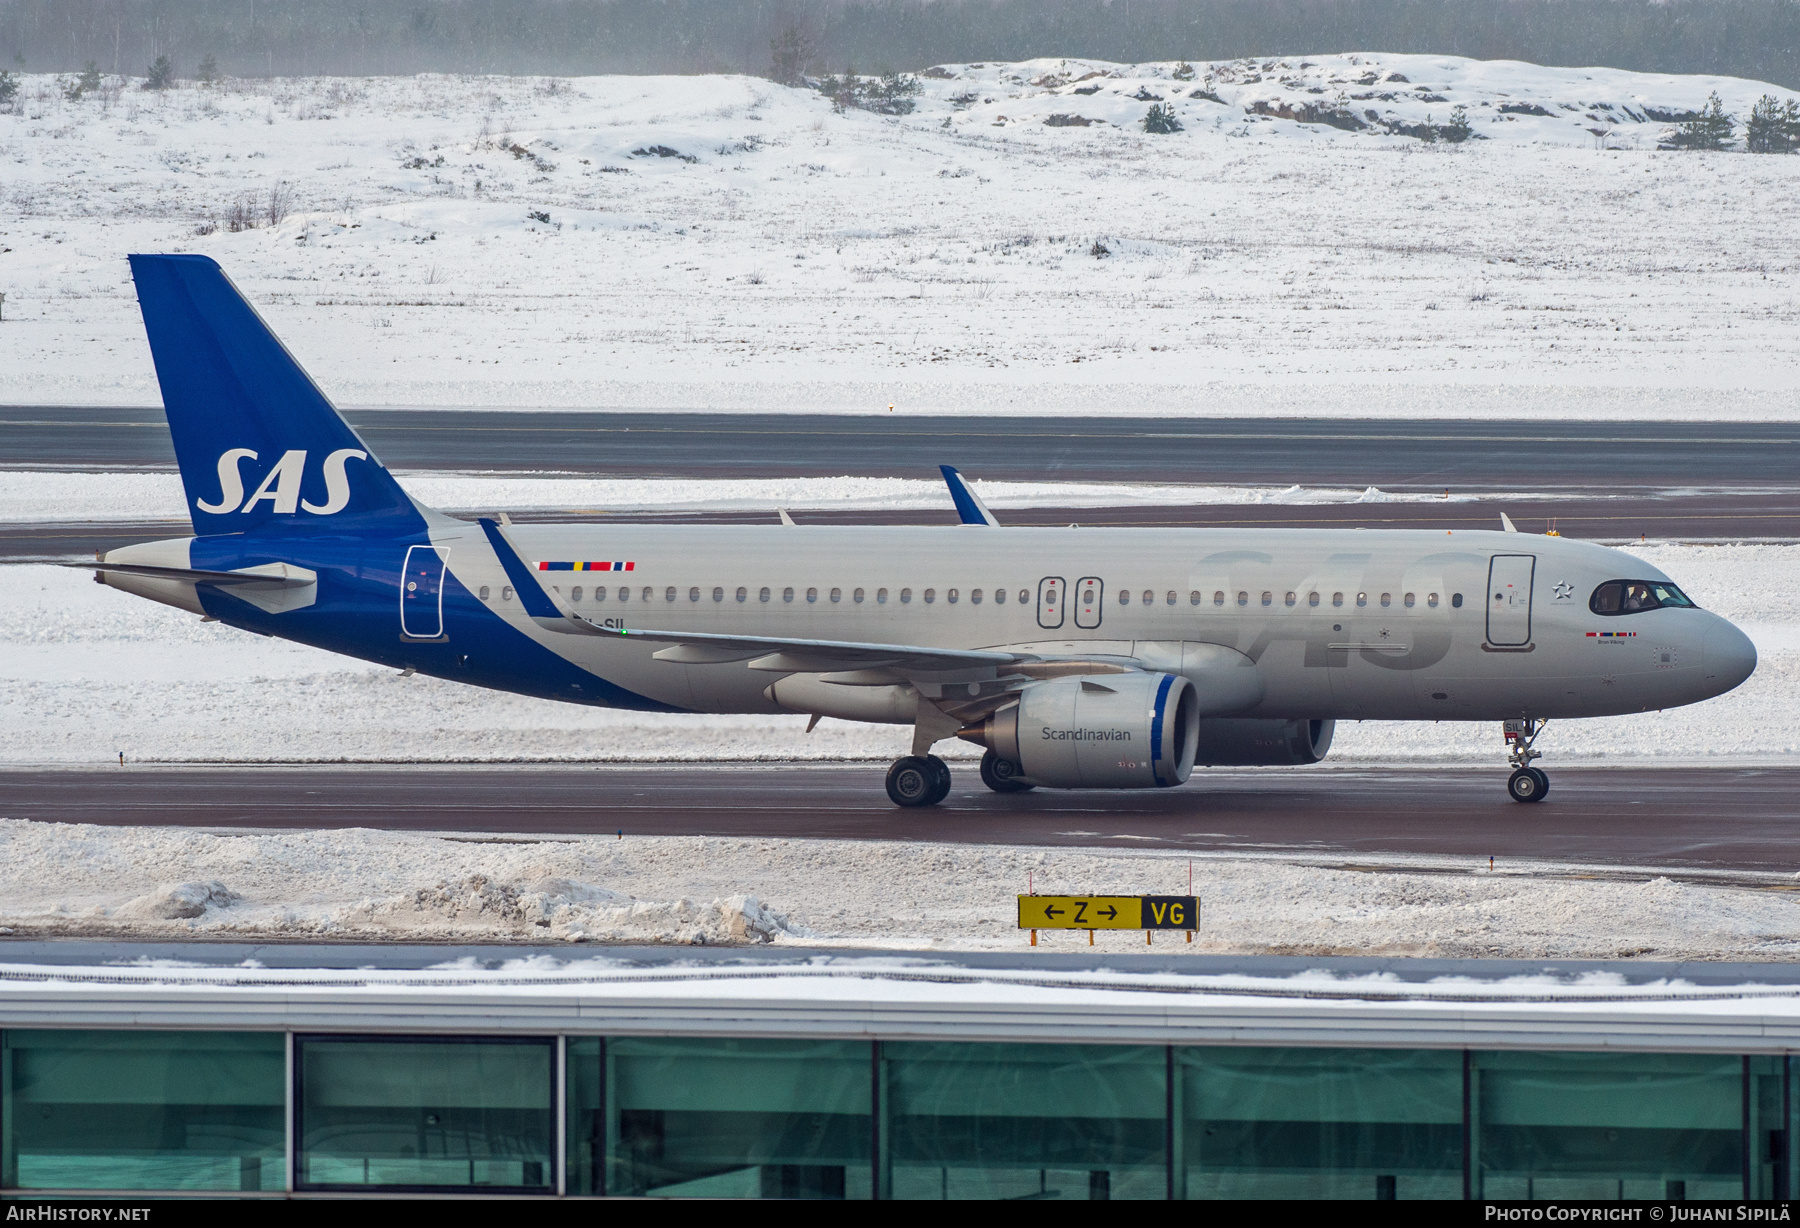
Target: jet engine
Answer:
[[1105, 731], [1262, 743]]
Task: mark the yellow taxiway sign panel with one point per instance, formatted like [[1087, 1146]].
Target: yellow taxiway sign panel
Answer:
[[1109, 912]]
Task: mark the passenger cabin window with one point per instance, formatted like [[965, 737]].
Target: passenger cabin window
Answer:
[[1362, 599], [506, 593], [1456, 600], [952, 595], [1243, 597], [1431, 600], [1171, 597], [575, 593], [1337, 599], [1149, 597], [999, 596], [719, 594], [669, 593], [624, 593], [484, 592], [857, 596], [742, 593], [1024, 596], [650, 592], [1194, 598], [1312, 599], [1636, 596], [763, 596], [975, 596], [812, 594], [1218, 598], [1289, 598], [694, 594], [906, 596], [930, 595], [881, 596], [1407, 601], [599, 593], [1387, 599], [1268, 598], [787, 594]]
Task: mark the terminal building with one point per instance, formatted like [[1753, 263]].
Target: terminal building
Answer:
[[776, 1074]]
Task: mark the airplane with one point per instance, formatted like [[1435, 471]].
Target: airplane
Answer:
[[1077, 658]]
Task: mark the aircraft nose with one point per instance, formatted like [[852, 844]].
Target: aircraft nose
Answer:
[[1727, 656]]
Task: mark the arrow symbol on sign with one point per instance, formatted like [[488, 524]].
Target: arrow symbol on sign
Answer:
[[1110, 912], [1053, 911]]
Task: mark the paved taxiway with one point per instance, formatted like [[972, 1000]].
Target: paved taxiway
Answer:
[[1674, 818], [1610, 457]]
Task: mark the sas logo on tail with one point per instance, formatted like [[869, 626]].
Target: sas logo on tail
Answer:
[[281, 485]]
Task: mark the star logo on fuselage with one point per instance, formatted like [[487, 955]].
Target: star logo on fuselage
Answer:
[[1563, 589]]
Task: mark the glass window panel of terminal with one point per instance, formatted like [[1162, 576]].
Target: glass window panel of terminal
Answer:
[[143, 1110], [693, 1118], [418, 1114], [1024, 1120], [1607, 1125], [1320, 1123]]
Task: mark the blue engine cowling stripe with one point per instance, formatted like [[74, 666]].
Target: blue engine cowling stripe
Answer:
[[1156, 724]]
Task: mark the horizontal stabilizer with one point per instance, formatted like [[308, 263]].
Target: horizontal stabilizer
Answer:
[[267, 574]]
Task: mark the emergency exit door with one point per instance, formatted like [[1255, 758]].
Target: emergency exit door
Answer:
[[1050, 602], [422, 594], [1089, 592], [1509, 599]]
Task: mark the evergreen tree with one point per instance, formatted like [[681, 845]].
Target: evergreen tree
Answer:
[[1709, 128], [86, 83], [161, 75], [791, 52], [1161, 118], [209, 70], [1774, 126], [9, 87], [1459, 129]]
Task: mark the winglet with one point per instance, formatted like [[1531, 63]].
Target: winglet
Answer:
[[532, 596], [969, 507], [1506, 523]]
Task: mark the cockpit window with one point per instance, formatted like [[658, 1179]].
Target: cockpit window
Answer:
[[1636, 596]]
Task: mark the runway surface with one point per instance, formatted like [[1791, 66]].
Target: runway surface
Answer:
[[1392, 455], [1717, 819]]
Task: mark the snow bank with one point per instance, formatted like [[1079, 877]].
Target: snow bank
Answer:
[[369, 885], [37, 496], [87, 671], [968, 257]]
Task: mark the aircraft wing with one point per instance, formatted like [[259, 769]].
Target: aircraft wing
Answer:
[[777, 654]]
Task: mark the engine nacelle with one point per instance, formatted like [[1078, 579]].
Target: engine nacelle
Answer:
[[1248, 743], [1104, 731]]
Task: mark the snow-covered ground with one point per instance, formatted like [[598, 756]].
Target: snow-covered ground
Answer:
[[87, 671], [718, 242], [34, 496], [360, 885]]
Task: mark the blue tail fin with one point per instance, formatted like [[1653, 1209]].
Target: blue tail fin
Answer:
[[258, 444]]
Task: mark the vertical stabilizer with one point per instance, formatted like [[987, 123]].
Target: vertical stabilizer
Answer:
[[258, 444]]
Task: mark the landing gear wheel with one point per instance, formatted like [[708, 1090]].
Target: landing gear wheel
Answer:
[[941, 790], [1527, 785], [1543, 779], [1002, 775], [914, 781]]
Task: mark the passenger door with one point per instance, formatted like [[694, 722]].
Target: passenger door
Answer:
[[422, 594], [1050, 602], [1509, 599], [1088, 605]]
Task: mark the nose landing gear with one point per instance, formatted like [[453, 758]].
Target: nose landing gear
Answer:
[[1527, 783], [918, 780]]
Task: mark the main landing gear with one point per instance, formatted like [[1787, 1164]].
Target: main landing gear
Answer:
[[1527, 783], [1002, 775], [918, 780]]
